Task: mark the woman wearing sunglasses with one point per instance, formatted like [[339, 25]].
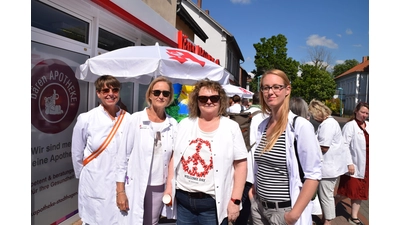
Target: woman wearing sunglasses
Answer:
[[210, 160], [281, 197], [145, 155], [96, 138]]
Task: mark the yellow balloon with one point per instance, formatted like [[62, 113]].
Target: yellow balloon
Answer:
[[184, 95]]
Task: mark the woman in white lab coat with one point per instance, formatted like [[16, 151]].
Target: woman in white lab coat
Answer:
[[145, 155], [280, 195], [334, 164], [96, 173], [355, 183]]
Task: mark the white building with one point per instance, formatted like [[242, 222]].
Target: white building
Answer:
[[355, 85]]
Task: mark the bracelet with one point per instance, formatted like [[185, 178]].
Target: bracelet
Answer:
[[120, 192]]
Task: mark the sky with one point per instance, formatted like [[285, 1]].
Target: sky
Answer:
[[341, 26], [384, 78]]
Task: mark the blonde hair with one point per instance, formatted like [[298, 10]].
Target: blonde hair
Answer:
[[150, 89], [319, 110], [283, 112]]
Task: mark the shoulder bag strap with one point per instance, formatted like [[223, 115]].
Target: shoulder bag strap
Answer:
[[106, 141]]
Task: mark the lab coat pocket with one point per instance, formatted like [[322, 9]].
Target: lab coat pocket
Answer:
[[90, 186]]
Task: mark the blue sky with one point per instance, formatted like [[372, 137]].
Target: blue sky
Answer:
[[342, 26]]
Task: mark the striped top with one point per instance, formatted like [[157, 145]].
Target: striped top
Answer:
[[272, 174]]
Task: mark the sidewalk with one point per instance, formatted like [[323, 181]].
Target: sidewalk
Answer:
[[343, 212]]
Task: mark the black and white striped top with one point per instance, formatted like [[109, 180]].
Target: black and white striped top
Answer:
[[272, 174]]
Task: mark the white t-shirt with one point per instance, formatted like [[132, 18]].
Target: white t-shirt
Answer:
[[157, 171], [235, 108], [193, 174]]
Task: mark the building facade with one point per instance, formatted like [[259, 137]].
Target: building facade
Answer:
[[353, 86]]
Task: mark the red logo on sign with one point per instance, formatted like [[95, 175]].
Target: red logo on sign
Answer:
[[55, 96], [183, 56]]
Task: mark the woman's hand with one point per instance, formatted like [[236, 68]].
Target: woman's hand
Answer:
[[233, 211], [289, 219], [351, 169], [122, 201]]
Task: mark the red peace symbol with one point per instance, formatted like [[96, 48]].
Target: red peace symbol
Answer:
[[196, 158]]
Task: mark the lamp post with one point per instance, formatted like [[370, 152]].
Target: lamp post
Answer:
[[258, 83], [340, 97]]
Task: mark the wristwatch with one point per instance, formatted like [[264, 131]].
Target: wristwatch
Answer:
[[236, 201]]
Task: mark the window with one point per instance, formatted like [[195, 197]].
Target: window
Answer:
[[55, 21], [109, 41]]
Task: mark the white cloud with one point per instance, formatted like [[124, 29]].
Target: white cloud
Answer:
[[339, 35], [339, 61], [349, 31], [241, 1], [316, 40]]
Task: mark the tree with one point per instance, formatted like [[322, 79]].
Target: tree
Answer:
[[313, 83], [272, 54], [320, 57], [343, 67]]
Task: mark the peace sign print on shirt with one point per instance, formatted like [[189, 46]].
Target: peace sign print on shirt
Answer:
[[196, 158]]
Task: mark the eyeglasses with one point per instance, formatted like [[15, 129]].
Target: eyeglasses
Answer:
[[275, 88], [204, 99], [107, 90], [158, 92]]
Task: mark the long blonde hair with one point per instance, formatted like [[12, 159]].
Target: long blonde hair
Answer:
[[282, 113]]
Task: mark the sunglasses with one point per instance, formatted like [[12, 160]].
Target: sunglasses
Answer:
[[107, 90], [164, 93], [204, 99]]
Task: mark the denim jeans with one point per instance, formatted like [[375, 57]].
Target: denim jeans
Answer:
[[193, 211]]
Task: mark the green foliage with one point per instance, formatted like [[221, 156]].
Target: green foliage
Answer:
[[313, 83], [341, 68], [272, 54], [334, 105]]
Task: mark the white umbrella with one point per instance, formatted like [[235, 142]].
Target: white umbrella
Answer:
[[143, 63], [232, 90]]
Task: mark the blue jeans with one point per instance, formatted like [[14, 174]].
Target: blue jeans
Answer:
[[196, 211]]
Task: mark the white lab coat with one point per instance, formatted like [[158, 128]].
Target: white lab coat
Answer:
[[309, 155], [97, 188], [135, 157], [329, 134], [355, 147], [227, 146], [255, 122]]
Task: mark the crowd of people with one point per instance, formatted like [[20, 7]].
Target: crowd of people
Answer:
[[135, 168]]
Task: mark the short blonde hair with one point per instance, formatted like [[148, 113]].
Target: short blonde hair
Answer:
[[319, 110], [150, 89]]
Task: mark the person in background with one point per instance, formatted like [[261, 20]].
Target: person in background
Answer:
[[96, 139], [145, 156], [330, 139], [245, 212], [236, 107], [210, 160], [280, 195], [245, 104], [300, 107], [355, 183]]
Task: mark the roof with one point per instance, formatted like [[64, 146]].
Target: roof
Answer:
[[230, 36], [185, 16], [362, 67]]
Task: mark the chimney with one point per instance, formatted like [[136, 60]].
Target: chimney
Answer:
[[207, 12], [199, 3], [365, 58]]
